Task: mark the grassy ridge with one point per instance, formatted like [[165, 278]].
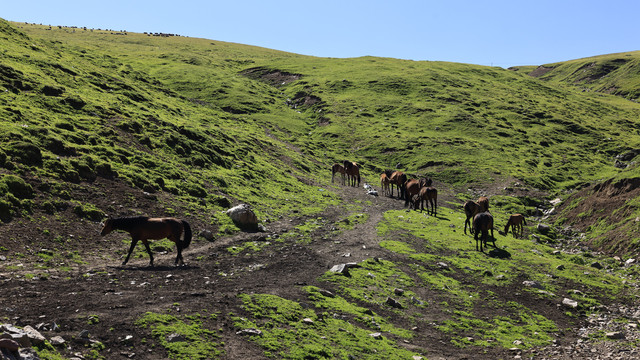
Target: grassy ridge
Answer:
[[617, 74], [459, 123]]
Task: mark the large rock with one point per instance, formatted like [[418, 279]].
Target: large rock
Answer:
[[243, 217]]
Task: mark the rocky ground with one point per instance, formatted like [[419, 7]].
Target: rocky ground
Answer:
[[99, 300]]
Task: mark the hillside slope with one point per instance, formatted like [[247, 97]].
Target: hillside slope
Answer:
[[96, 123], [617, 74]]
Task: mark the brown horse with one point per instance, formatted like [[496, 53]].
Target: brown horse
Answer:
[[429, 195], [384, 184], [337, 168], [413, 186], [482, 223], [352, 171], [145, 228], [483, 201], [517, 222], [471, 208], [398, 178]]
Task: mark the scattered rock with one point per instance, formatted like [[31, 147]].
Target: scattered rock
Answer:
[[207, 235], [394, 303], [543, 228], [615, 335], [243, 217], [249, 332], [569, 303]]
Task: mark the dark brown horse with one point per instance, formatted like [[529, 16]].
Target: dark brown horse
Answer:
[[413, 186], [398, 178], [482, 223], [516, 222], [144, 228], [337, 168], [429, 195], [352, 171]]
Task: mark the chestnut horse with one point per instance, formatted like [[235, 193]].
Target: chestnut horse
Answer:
[[337, 168], [483, 201], [517, 222], [429, 195], [144, 228], [399, 179], [352, 170], [482, 223], [384, 184]]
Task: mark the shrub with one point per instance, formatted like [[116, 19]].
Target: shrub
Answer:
[[18, 187]]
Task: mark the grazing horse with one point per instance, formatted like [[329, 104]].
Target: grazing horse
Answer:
[[352, 171], [482, 223], [337, 168], [471, 208], [145, 228], [429, 195], [516, 222], [399, 179], [384, 184]]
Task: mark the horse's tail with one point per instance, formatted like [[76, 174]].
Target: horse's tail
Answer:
[[187, 235], [524, 220]]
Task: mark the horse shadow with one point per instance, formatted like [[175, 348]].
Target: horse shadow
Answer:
[[499, 253], [159, 268]]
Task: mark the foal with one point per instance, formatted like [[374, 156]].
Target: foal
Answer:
[[517, 222]]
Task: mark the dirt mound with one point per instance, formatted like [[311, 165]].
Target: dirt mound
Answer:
[[605, 203]]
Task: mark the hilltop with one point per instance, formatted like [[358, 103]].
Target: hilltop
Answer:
[[99, 123]]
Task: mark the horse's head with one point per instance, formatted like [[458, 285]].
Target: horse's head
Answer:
[[107, 227]]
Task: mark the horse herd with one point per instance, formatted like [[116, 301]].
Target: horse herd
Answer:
[[416, 192]]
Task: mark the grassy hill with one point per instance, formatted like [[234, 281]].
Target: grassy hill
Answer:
[[615, 74], [96, 123]]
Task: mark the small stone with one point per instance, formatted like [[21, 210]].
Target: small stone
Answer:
[[615, 335], [570, 303]]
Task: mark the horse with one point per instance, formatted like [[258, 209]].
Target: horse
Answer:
[[413, 187], [516, 222], [337, 168], [483, 201], [145, 228], [471, 208], [482, 223], [429, 195], [415, 201], [352, 170], [399, 179], [384, 184]]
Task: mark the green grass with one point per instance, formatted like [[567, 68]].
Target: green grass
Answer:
[[196, 342]]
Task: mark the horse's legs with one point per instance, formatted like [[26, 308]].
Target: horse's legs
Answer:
[[179, 259], [134, 241], [146, 246]]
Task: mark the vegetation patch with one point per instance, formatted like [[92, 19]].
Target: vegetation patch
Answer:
[[182, 337]]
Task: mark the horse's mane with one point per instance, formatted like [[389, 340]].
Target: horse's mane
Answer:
[[128, 222]]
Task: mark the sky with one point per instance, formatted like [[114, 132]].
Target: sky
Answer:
[[491, 33]]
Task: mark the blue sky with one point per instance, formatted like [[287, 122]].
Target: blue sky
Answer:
[[493, 33]]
